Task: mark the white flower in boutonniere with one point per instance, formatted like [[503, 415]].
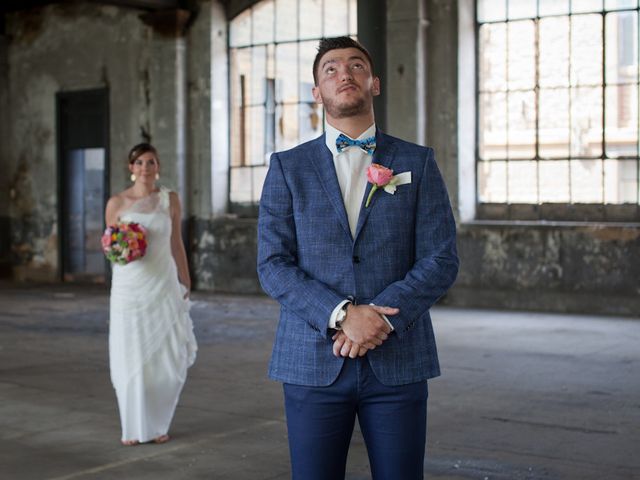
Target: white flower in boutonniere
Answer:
[[383, 177]]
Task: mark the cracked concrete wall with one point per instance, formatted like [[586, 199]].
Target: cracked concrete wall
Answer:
[[550, 267], [71, 47], [159, 89], [224, 254], [56, 49], [5, 238]]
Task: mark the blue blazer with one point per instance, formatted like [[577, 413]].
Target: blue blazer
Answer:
[[403, 255]]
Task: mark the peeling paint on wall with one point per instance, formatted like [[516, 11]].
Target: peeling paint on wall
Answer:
[[21, 191], [28, 26], [624, 235], [557, 268], [62, 48], [224, 255]]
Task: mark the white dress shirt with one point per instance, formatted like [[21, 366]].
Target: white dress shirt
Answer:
[[351, 168]]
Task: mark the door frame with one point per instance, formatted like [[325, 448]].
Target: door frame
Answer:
[[62, 146]]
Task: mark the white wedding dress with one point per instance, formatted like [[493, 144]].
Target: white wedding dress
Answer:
[[151, 341]]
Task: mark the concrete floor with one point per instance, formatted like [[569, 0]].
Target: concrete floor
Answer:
[[522, 396]]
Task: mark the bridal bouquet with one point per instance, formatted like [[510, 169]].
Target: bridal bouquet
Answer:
[[124, 242]]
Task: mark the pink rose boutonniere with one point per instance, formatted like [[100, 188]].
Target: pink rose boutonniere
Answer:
[[380, 177], [383, 177]]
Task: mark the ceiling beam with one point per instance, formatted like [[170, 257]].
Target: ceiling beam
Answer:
[[148, 5], [143, 4]]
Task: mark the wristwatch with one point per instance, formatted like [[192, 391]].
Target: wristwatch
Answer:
[[342, 314]]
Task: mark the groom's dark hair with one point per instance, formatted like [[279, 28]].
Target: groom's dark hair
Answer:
[[335, 43]]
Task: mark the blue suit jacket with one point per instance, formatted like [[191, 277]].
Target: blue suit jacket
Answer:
[[403, 255]]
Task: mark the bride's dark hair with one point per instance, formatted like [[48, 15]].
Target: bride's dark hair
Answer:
[[141, 149]]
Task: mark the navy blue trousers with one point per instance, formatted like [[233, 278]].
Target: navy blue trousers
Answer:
[[320, 421]]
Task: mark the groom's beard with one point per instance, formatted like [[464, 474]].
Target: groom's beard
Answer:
[[354, 108]]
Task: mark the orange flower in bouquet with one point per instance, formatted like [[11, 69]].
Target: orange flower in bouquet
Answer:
[[124, 242]]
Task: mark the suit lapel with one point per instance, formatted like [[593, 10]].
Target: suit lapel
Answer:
[[322, 161], [383, 155]]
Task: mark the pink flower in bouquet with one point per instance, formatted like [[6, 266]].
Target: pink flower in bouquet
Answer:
[[124, 242], [379, 176]]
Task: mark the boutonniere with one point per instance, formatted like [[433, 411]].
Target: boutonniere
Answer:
[[383, 177]]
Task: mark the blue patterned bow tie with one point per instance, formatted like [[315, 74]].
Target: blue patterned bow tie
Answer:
[[366, 144]]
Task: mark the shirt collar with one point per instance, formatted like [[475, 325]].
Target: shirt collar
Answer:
[[331, 134]]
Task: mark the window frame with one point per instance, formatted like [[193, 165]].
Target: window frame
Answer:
[[250, 210], [542, 211]]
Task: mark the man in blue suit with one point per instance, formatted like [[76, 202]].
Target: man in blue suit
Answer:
[[355, 267]]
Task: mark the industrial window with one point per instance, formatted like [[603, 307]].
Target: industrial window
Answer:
[[272, 46], [558, 109]]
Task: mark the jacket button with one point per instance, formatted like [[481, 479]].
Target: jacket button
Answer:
[[356, 259]]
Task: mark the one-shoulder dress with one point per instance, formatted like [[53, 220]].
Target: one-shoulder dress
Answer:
[[151, 340]]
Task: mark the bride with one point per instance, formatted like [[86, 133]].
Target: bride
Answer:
[[151, 341]]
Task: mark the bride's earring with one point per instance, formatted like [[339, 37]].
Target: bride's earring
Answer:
[[133, 177], [157, 176]]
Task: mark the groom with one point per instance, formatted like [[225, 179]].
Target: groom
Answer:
[[355, 274]]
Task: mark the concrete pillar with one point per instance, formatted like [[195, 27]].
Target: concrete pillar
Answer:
[[442, 90], [199, 112], [466, 192], [422, 78], [405, 77], [372, 33], [219, 111], [168, 111]]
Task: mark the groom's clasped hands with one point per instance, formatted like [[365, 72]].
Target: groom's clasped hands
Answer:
[[362, 329]]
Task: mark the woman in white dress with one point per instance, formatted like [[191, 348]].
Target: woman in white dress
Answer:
[[151, 342]]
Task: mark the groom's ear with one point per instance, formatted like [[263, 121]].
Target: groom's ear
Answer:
[[375, 87], [315, 91]]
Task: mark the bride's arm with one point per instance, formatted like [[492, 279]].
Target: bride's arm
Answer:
[[112, 210], [177, 245]]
